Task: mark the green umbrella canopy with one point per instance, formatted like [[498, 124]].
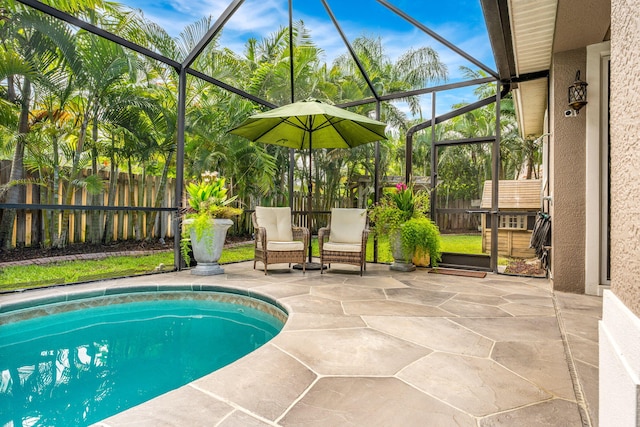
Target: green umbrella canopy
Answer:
[[311, 124]]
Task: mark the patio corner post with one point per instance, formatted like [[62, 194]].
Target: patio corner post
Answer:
[[434, 161], [495, 176], [408, 158], [292, 158], [376, 182], [177, 220]]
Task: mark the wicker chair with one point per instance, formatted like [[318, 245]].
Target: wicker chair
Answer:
[[276, 240], [345, 240]]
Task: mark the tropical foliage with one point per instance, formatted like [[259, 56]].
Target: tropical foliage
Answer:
[[404, 211], [209, 197], [208, 200], [78, 111]]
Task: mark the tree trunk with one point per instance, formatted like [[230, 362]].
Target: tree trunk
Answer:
[[141, 202], [17, 169], [132, 200], [107, 235], [153, 221], [54, 198], [75, 172], [36, 214], [95, 228]]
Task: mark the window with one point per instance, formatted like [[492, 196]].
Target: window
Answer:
[[513, 222]]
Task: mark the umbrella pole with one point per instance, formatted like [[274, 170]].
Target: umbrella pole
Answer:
[[310, 265], [309, 189]]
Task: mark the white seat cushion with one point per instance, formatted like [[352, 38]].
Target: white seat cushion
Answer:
[[342, 247], [347, 225], [276, 246], [277, 222]]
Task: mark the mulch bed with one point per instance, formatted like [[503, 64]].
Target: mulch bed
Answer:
[[28, 253], [525, 268]]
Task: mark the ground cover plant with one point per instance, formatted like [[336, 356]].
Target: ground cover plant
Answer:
[[32, 276]]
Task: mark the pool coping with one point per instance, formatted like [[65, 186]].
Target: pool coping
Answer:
[[15, 310]]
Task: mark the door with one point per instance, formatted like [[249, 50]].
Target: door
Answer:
[[463, 171]]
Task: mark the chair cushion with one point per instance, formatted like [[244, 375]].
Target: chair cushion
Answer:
[[342, 247], [347, 225], [284, 246], [277, 222]]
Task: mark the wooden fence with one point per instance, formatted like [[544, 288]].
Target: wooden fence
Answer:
[[459, 222], [29, 226]]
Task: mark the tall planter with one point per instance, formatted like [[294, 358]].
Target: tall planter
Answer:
[[207, 246], [402, 259]]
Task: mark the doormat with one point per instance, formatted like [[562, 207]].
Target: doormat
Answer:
[[455, 272]]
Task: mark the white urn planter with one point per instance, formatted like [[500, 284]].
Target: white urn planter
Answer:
[[402, 261], [208, 248]]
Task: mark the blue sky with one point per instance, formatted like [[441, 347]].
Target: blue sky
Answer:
[[459, 21]]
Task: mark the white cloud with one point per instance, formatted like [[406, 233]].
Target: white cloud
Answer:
[[326, 37], [253, 16], [259, 18]]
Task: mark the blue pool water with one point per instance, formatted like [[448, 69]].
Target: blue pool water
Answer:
[[78, 367]]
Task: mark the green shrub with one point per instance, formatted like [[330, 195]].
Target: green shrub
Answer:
[[422, 233]]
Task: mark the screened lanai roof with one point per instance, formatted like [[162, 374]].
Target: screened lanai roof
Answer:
[[455, 30]]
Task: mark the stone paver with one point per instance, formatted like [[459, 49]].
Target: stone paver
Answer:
[[514, 328], [363, 352], [265, 383], [435, 333], [554, 412], [199, 409], [543, 369], [476, 386], [339, 402], [387, 349], [578, 314]]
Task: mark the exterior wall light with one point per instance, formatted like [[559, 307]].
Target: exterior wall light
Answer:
[[578, 94]]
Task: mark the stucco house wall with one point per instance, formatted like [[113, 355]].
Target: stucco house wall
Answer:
[[567, 176], [620, 325], [625, 154]]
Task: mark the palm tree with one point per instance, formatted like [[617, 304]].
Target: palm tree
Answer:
[[101, 68], [32, 44], [414, 69], [268, 71], [49, 141]]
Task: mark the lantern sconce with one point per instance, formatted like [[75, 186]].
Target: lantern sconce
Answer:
[[577, 94]]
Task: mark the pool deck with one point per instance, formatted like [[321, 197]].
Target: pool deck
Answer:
[[390, 349]]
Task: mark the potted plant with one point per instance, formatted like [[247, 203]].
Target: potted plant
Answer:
[[402, 215], [206, 223]]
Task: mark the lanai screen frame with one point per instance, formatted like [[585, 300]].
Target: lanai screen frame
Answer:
[[501, 52]]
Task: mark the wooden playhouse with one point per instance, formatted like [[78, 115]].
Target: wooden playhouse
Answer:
[[521, 197]]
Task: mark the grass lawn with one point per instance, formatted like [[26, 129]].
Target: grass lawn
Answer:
[[33, 276], [462, 243], [22, 277]]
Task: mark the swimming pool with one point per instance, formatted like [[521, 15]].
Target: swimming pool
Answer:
[[76, 363]]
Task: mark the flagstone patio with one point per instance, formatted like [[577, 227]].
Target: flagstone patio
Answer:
[[392, 349]]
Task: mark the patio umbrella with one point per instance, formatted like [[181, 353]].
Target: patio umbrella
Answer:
[[311, 124]]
